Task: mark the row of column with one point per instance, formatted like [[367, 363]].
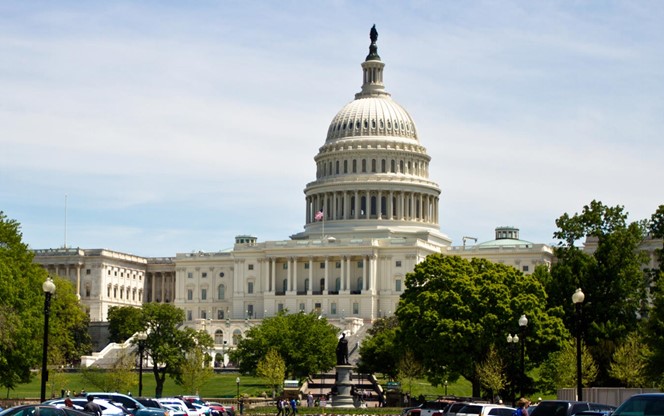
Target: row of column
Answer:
[[56, 272], [165, 279], [388, 205], [270, 275]]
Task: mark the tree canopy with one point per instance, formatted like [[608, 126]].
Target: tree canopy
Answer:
[[454, 310], [306, 343]]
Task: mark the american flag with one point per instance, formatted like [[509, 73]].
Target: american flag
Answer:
[[319, 215]]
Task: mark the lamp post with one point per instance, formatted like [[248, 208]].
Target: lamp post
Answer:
[[523, 323], [577, 299], [49, 289], [237, 381], [512, 342], [141, 336]]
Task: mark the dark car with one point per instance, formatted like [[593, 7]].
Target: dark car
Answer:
[[568, 408], [41, 410], [131, 404], [647, 404]]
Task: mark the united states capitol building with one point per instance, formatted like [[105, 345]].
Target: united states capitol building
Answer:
[[371, 216]]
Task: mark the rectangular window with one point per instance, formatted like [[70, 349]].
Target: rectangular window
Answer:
[[397, 285], [360, 264], [190, 294], [337, 265], [356, 308], [322, 264], [190, 275], [189, 316], [220, 314], [251, 267], [203, 294], [285, 266], [87, 271], [525, 268], [250, 287], [204, 274], [280, 307], [333, 308], [306, 266], [301, 307], [398, 263]]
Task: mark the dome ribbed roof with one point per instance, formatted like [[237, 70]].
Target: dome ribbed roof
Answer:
[[376, 115]]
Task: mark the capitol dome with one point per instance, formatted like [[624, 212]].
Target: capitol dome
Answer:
[[372, 173]]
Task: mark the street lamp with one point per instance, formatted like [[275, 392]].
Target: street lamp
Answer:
[[49, 289], [512, 342], [237, 381], [577, 299], [141, 336], [523, 322]]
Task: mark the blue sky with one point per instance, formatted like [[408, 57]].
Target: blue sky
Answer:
[[173, 126]]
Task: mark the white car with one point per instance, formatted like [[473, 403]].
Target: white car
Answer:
[[107, 408], [179, 404], [484, 409]]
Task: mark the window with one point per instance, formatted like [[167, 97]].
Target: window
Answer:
[[284, 285], [525, 268], [285, 266], [280, 307], [360, 264], [237, 335], [203, 294], [87, 291], [221, 274], [250, 287], [364, 165], [337, 265], [219, 336], [301, 307], [190, 275], [87, 271], [250, 311], [333, 308], [306, 266], [354, 166], [398, 264], [221, 292], [220, 314], [190, 294], [356, 308], [397, 285], [322, 264], [189, 316], [337, 284], [306, 285], [204, 274], [251, 267]]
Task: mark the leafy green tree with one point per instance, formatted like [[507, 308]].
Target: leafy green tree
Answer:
[[611, 277], [272, 368], [306, 342], [68, 329], [379, 351], [453, 310], [559, 370], [21, 307], [491, 372], [409, 370], [168, 345], [654, 335], [630, 362], [123, 322], [196, 371]]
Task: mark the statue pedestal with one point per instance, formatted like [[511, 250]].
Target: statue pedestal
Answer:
[[344, 385]]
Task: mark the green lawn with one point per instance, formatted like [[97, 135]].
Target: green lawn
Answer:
[[220, 386]]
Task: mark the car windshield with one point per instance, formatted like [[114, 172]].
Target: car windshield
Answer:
[[641, 406]]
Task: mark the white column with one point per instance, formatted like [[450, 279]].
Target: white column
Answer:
[[294, 282], [379, 205], [347, 266], [365, 264], [373, 272], [273, 274], [311, 276], [327, 280], [342, 276]]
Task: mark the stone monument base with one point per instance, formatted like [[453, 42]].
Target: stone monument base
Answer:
[[344, 386]]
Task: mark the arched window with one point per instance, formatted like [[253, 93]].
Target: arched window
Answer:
[[322, 284], [284, 284], [337, 284], [237, 336], [354, 166], [221, 292], [373, 165], [364, 165], [345, 166], [219, 336], [306, 285]]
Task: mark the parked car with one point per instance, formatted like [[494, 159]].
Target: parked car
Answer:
[[646, 404], [484, 409], [175, 410], [131, 404], [186, 407], [41, 410], [107, 408], [454, 408], [567, 408], [221, 409], [429, 408], [153, 404]]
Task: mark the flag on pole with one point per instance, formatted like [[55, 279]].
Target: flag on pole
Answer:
[[319, 215]]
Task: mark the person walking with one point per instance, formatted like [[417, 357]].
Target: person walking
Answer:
[[92, 407], [280, 407], [293, 406], [521, 407]]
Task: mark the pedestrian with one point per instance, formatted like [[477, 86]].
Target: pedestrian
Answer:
[[92, 407], [521, 407], [69, 403], [310, 400], [285, 406], [280, 407], [293, 406]]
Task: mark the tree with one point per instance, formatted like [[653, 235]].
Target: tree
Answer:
[[306, 343], [559, 370], [196, 371], [21, 306], [491, 372], [379, 351], [630, 361], [453, 310], [68, 330], [654, 335], [409, 370], [273, 368], [123, 322], [611, 277], [166, 344]]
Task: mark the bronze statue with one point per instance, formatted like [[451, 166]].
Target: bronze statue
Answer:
[[342, 350], [373, 49], [373, 34]]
